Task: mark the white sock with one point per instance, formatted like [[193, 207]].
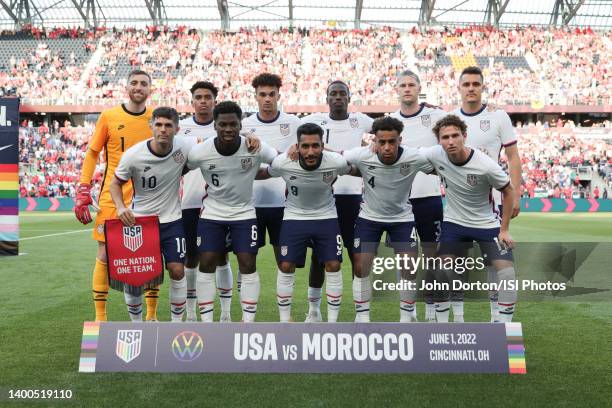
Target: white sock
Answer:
[[134, 306], [206, 295], [362, 293], [225, 283], [442, 311], [314, 299], [430, 312], [493, 295], [407, 305], [249, 296], [178, 298], [334, 294], [457, 311], [284, 293], [191, 274], [507, 298]]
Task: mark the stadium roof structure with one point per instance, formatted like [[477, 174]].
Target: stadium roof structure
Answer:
[[233, 14]]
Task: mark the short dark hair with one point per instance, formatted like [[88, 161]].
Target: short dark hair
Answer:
[[472, 70], [449, 120], [410, 73], [309, 129], [167, 113], [337, 81], [205, 85], [227, 107], [387, 123], [139, 72], [267, 79]]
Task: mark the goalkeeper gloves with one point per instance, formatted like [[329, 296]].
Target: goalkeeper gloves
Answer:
[[83, 200]]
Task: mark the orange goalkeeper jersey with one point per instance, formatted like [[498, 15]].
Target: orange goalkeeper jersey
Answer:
[[116, 131]]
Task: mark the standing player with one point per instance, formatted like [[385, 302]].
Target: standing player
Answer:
[[489, 132], [278, 130], [425, 197], [199, 128], [341, 131], [155, 166], [310, 216], [229, 169], [468, 176], [117, 130], [388, 176]]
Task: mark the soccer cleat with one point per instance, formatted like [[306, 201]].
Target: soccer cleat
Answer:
[[225, 317], [191, 318], [314, 317], [408, 319], [362, 318], [458, 319]]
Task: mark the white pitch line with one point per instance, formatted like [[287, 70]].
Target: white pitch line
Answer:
[[53, 235]]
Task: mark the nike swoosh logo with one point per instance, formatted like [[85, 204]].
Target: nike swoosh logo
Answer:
[[5, 147]]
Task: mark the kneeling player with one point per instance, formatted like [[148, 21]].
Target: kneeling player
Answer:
[[155, 166], [388, 174], [468, 176], [310, 217]]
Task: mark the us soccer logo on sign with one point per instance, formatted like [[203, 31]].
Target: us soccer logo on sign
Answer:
[[426, 120], [485, 125], [472, 179], [128, 344], [132, 237], [284, 129]]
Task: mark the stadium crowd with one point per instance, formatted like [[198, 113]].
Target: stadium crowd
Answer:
[[565, 66], [554, 159]]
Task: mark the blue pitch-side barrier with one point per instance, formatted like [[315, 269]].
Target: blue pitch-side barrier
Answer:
[[527, 204]]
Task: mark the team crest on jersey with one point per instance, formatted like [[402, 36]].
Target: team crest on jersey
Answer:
[[354, 122], [356, 242], [485, 125], [472, 179], [284, 129], [404, 169], [246, 163], [284, 250], [178, 156], [128, 344], [426, 120], [132, 237], [328, 177]]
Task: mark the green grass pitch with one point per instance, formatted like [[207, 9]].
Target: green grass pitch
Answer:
[[45, 297]]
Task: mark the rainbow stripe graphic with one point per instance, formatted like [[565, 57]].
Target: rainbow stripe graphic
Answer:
[[9, 208], [516, 348], [89, 345]]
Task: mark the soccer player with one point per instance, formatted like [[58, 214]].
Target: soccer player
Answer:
[[156, 166], [278, 130], [341, 131], [489, 132], [425, 197], [388, 176], [468, 176], [310, 216], [229, 170], [199, 128], [117, 130]]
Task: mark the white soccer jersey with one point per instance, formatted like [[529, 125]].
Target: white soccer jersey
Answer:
[[468, 187], [387, 187], [309, 192], [488, 132], [279, 133], [156, 178], [341, 135], [418, 133], [194, 187], [229, 191]]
